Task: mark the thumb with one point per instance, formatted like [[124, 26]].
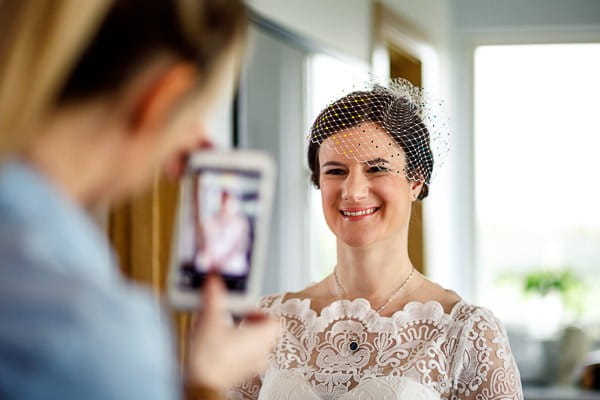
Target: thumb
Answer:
[[213, 299], [265, 330]]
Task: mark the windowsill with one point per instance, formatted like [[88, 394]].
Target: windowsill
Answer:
[[559, 393]]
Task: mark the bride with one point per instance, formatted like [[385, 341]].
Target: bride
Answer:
[[376, 328]]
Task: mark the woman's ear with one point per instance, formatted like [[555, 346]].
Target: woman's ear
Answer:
[[415, 189], [162, 95]]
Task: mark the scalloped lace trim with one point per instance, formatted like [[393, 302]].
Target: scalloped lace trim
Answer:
[[359, 309]]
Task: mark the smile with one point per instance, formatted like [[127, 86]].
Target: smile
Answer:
[[358, 213]]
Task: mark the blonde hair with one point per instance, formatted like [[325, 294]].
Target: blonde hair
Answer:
[[40, 40], [55, 53]]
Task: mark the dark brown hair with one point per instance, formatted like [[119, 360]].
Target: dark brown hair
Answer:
[[133, 31], [395, 114]]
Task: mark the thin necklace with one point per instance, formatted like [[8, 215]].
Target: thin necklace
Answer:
[[342, 292], [353, 340]]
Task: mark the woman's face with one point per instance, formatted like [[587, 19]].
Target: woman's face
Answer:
[[365, 202]]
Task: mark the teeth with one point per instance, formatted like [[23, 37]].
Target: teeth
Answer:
[[357, 213]]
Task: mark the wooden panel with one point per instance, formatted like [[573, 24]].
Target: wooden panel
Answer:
[[404, 66], [415, 237], [143, 236], [141, 230], [169, 196], [118, 232]]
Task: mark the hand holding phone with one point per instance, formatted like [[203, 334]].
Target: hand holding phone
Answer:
[[216, 345]]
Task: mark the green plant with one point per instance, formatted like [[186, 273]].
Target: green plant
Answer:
[[563, 282], [546, 281]]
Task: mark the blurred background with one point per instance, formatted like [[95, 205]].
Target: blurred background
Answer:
[[512, 221]]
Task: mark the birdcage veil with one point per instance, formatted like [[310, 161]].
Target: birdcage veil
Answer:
[[416, 122]]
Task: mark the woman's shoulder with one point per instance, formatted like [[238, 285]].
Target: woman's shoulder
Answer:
[[269, 300], [477, 320], [429, 291], [273, 299], [309, 297], [461, 311], [481, 360]]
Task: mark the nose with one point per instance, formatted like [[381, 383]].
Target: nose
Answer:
[[355, 187]]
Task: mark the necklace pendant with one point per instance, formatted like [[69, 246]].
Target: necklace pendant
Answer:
[[353, 345]]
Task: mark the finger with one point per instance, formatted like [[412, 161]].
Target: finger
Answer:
[[205, 144], [175, 166], [263, 335], [256, 316], [213, 297], [260, 339]]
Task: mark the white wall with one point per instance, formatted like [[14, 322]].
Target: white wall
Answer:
[[526, 14], [432, 17], [272, 106], [342, 25]]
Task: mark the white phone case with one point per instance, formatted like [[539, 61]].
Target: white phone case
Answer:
[[205, 226]]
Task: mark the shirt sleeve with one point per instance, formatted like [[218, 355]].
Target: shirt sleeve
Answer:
[[66, 338], [484, 367]]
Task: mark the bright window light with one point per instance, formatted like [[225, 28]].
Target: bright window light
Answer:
[[537, 145]]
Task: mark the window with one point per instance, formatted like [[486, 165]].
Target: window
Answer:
[[537, 145]]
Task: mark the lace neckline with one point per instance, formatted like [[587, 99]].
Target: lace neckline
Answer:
[[279, 299], [361, 309], [462, 353]]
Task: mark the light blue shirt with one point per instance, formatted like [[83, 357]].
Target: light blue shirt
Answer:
[[70, 326]]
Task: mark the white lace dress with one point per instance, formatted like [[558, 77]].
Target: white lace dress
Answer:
[[349, 352]]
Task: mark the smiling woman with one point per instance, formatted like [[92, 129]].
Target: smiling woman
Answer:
[[376, 327], [364, 202]]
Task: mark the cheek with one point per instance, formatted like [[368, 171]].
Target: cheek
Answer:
[[329, 193], [329, 202], [395, 194], [402, 204], [325, 200]]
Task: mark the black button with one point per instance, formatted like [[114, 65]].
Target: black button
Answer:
[[353, 346]]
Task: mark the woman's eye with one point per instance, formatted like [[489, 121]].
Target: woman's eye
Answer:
[[378, 168], [335, 171]]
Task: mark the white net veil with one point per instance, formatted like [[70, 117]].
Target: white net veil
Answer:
[[416, 126]]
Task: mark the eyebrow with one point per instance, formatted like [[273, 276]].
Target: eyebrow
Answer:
[[333, 163], [378, 160]]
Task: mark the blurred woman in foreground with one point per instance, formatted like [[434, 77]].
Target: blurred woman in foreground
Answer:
[[94, 96]]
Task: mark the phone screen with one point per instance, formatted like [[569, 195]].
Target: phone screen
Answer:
[[217, 232]]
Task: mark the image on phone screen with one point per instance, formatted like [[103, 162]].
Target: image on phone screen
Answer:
[[218, 228]]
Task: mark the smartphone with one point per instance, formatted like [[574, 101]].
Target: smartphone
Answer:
[[221, 227]]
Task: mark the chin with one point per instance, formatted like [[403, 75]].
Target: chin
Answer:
[[357, 241]]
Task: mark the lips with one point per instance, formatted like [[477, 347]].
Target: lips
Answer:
[[359, 212]]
